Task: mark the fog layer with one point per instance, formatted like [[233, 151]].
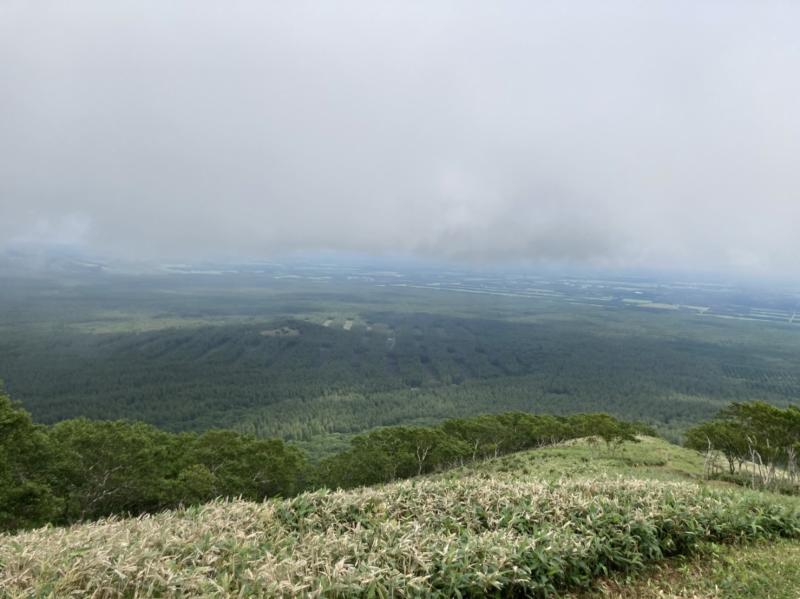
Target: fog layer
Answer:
[[608, 133]]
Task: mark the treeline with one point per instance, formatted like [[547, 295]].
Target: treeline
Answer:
[[81, 469], [758, 443], [312, 420], [396, 452]]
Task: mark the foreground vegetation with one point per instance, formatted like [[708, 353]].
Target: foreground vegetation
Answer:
[[80, 469], [759, 444], [766, 569], [476, 531], [590, 517]]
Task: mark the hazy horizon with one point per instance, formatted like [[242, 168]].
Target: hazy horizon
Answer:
[[617, 135]]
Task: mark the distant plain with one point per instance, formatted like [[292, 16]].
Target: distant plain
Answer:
[[317, 352]]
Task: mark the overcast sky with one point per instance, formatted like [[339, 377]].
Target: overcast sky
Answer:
[[608, 133]]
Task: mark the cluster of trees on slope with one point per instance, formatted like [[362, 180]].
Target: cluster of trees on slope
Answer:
[[82, 469], [396, 452], [759, 442]]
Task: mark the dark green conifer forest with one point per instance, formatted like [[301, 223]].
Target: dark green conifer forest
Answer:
[[318, 361]]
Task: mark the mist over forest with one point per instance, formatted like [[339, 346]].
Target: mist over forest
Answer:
[[400, 299]]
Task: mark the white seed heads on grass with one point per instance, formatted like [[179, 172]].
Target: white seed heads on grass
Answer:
[[409, 539]]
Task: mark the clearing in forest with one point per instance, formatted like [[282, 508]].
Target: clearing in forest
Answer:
[[281, 332]]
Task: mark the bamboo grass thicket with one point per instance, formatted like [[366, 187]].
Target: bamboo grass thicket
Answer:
[[479, 535]]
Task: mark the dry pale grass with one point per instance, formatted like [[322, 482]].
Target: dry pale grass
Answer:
[[476, 536]]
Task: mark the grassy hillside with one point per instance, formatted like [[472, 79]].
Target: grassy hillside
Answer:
[[534, 523], [760, 570]]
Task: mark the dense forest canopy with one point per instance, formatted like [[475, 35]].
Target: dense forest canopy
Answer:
[[318, 354]]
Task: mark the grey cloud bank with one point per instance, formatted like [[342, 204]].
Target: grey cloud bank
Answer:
[[600, 133]]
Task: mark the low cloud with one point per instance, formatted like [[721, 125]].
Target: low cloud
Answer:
[[613, 133]]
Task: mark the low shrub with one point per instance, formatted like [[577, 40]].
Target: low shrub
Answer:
[[474, 536]]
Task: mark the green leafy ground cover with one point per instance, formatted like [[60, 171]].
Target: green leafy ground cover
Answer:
[[538, 523], [761, 570]]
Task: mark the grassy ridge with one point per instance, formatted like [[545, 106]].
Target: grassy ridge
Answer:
[[475, 532]]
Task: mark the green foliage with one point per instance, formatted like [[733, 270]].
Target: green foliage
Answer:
[[391, 453], [82, 469], [721, 435], [387, 454], [474, 536], [232, 464], [773, 432], [189, 355], [759, 441], [769, 568], [114, 467], [26, 470]]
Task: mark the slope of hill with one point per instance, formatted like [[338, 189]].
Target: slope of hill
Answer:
[[762, 570], [534, 523]]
